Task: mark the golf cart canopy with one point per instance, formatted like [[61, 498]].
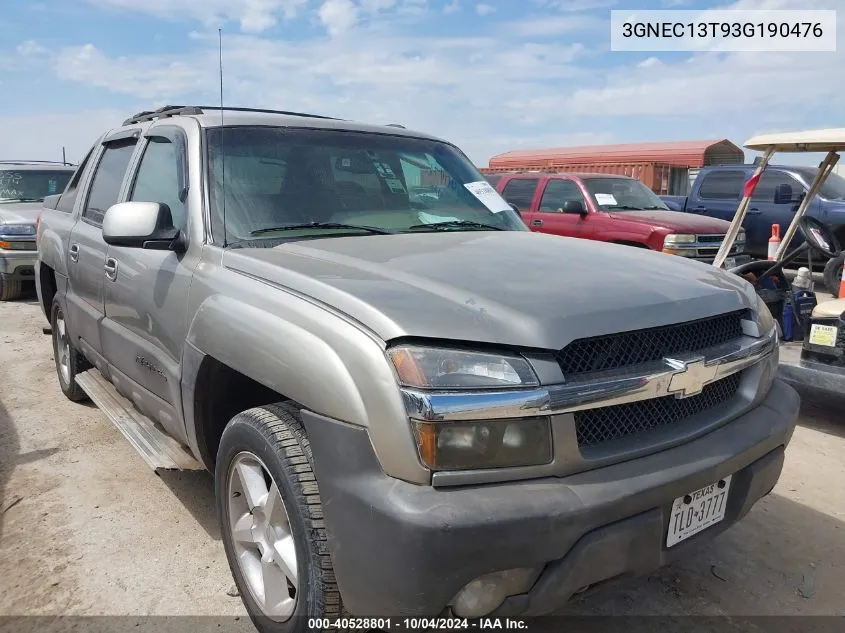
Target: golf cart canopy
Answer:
[[830, 141]]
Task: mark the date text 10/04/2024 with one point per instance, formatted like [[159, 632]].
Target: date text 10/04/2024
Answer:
[[417, 624]]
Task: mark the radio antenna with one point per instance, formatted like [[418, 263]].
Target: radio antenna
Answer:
[[222, 129]]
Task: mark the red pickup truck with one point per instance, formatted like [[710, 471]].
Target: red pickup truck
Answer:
[[612, 208]]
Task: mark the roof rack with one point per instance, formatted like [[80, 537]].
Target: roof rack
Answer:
[[36, 162], [169, 111]]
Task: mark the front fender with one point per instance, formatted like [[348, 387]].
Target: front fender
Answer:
[[317, 359]]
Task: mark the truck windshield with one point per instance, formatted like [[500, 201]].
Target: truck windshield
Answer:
[[623, 194], [288, 183], [31, 185]]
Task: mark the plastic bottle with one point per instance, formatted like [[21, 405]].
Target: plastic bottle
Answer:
[[803, 280], [774, 241], [788, 321]]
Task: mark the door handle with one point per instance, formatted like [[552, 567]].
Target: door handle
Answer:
[[73, 252], [754, 211], [111, 269], [699, 209], [536, 223]]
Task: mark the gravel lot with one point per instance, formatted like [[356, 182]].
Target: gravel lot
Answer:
[[87, 529]]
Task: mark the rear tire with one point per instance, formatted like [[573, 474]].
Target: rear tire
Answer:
[[10, 288], [833, 275], [265, 455], [69, 361]]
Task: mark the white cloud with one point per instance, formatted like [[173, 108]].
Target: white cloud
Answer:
[[484, 9], [338, 16], [30, 48], [505, 85], [42, 136], [554, 25], [453, 7], [578, 5], [255, 16]]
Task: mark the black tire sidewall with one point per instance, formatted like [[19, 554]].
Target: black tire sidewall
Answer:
[[241, 435], [66, 388], [832, 272]]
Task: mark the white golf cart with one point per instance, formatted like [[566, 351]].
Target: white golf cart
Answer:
[[815, 357]]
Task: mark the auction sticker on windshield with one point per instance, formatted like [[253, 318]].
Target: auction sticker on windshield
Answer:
[[606, 199], [488, 196], [823, 335], [697, 511]]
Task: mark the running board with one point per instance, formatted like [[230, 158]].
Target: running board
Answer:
[[158, 449]]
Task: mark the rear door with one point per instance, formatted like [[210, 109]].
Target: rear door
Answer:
[[146, 296], [550, 217], [521, 191], [766, 211], [86, 248]]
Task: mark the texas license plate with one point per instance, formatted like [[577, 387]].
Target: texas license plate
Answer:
[[730, 262], [697, 511], [823, 335]]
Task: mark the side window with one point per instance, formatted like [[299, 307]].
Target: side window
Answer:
[[493, 179], [558, 193], [722, 185], [105, 186], [158, 178], [520, 191], [68, 199], [770, 181]]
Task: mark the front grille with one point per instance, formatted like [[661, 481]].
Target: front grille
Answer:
[[709, 239], [596, 426], [615, 351]]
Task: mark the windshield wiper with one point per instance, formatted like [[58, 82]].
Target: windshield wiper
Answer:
[[323, 225], [448, 224], [21, 199], [625, 206]]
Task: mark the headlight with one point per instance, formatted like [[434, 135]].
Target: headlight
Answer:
[[17, 229], [677, 238], [441, 368], [488, 444]]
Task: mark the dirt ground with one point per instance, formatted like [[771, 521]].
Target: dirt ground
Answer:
[[87, 529]]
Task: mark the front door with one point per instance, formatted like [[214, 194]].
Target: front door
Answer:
[[86, 248], [766, 210], [146, 298]]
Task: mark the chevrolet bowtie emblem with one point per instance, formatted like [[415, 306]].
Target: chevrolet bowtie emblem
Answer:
[[691, 377]]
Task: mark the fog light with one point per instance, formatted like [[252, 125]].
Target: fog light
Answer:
[[486, 593]]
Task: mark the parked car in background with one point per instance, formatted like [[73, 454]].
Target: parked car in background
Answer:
[[717, 191], [611, 208], [23, 186]]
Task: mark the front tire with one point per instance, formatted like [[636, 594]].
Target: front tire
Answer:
[[10, 288], [271, 520], [69, 361], [833, 275]]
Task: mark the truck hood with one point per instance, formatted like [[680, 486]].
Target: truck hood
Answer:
[[512, 288], [19, 212], [676, 221]]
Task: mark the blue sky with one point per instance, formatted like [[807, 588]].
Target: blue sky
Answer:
[[489, 76]]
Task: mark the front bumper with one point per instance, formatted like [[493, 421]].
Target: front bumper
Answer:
[[18, 264], [404, 549]]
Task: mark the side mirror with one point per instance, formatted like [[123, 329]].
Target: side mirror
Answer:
[[574, 206], [142, 225], [783, 194], [516, 209]]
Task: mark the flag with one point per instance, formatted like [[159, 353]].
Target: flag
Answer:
[[751, 185]]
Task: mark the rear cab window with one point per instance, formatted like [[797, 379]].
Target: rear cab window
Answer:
[[722, 185], [108, 179], [520, 192]]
